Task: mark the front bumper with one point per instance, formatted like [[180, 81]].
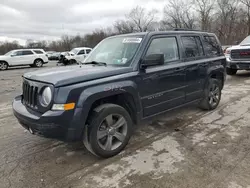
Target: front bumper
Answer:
[[52, 124], [238, 64]]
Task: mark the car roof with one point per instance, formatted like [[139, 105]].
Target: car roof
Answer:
[[82, 48], [29, 49], [150, 33]]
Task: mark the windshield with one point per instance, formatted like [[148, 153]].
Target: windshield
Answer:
[[74, 51], [9, 53], [115, 51], [246, 41]]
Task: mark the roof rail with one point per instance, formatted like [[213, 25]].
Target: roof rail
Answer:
[[185, 29]]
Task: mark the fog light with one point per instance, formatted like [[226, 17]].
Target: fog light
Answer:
[[63, 107]]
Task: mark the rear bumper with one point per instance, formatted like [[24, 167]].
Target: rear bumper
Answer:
[[52, 124]]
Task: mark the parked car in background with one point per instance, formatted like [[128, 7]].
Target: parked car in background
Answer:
[[238, 57], [136, 77], [54, 56], [80, 53], [21, 57]]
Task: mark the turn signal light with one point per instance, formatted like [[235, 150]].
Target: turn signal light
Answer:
[[65, 107]]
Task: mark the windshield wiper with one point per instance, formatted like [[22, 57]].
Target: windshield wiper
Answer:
[[95, 63]]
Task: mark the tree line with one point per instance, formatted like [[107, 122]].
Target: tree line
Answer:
[[228, 19]]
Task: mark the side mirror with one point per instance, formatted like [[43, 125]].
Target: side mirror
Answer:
[[152, 60]]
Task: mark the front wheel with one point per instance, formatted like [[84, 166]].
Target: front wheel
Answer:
[[231, 71], [110, 130], [3, 66], [212, 95]]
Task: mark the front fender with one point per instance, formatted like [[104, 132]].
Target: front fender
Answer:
[[90, 95]]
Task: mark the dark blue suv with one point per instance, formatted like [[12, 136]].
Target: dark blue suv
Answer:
[[125, 79]]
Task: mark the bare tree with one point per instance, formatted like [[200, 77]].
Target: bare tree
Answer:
[[246, 3], [226, 19], [124, 26], [205, 8], [179, 14], [142, 19]]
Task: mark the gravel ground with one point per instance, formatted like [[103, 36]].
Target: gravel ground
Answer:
[[184, 148]]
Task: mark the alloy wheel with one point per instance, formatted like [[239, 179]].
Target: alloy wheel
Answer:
[[3, 66], [214, 95], [112, 132]]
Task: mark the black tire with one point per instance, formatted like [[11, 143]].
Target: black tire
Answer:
[[231, 71], [212, 95], [98, 121], [3, 66], [38, 63]]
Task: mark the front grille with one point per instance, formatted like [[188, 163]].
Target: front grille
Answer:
[[240, 54], [30, 94]]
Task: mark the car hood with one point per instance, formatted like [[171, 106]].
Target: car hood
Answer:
[[75, 74], [2, 57], [239, 47]]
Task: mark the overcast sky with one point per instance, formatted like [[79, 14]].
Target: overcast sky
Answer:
[[49, 19]]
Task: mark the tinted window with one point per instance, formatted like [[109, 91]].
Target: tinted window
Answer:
[[17, 53], [27, 52], [81, 52], [167, 46], [88, 51], [38, 51], [192, 46], [211, 46]]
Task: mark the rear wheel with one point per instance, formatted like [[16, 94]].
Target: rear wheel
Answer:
[[110, 130], [38, 63], [3, 66], [212, 95], [231, 71]]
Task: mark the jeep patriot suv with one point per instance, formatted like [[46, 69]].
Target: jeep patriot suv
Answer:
[[125, 79]]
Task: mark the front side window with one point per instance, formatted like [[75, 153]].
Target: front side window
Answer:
[[117, 51], [192, 46], [82, 52], [167, 46]]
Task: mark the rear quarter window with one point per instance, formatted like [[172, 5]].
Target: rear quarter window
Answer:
[[38, 51], [212, 46]]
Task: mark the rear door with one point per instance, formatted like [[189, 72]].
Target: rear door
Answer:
[[163, 87], [196, 62], [28, 57]]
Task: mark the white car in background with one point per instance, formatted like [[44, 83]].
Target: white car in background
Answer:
[[21, 57], [79, 54]]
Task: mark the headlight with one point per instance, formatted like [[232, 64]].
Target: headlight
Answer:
[[46, 97]]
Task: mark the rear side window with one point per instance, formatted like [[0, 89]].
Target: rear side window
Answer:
[[38, 51], [88, 51], [27, 52], [192, 46], [211, 46], [167, 46]]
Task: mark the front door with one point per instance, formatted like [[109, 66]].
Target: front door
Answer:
[[81, 56], [163, 87], [16, 58]]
